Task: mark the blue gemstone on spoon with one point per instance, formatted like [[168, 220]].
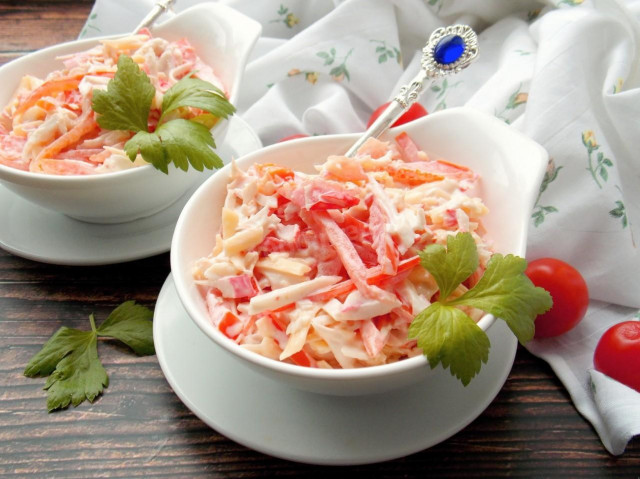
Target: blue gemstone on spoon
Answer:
[[449, 49]]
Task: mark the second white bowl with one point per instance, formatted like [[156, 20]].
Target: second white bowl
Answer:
[[511, 168], [224, 41]]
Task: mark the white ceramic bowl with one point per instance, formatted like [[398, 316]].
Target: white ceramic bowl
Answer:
[[221, 36], [511, 168]]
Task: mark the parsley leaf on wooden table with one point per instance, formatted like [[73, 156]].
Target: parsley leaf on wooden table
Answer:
[[70, 356]]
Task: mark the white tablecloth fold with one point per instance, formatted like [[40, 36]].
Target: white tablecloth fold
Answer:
[[565, 72]]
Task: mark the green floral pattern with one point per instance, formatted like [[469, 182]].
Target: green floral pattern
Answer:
[[436, 3], [286, 17], [384, 52], [338, 71], [619, 212], [540, 211], [516, 99], [89, 25], [599, 167], [442, 91]]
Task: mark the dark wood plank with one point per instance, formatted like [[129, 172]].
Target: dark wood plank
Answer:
[[139, 428], [29, 25]]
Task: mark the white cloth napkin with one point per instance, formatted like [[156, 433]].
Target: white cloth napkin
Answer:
[[565, 72]]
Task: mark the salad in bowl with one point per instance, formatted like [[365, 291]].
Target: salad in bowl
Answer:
[[356, 275], [86, 125], [55, 125]]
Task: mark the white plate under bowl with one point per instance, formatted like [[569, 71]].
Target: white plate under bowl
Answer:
[[43, 235], [313, 428]]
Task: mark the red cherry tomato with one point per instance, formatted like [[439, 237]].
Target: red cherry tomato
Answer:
[[414, 112], [292, 137], [618, 353], [568, 291]]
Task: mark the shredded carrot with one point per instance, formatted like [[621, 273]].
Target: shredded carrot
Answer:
[[53, 87], [453, 165], [413, 177], [70, 138], [48, 88]]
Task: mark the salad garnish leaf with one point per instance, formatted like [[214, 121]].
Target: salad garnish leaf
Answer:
[[445, 333], [450, 266], [126, 105], [198, 94], [184, 141], [70, 356], [507, 293]]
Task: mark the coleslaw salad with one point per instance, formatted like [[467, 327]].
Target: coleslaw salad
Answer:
[[49, 126], [320, 270]]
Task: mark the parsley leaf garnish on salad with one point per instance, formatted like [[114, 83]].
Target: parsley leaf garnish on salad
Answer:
[[198, 94], [70, 356], [126, 105], [445, 333]]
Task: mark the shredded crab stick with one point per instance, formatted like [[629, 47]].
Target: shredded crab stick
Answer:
[[49, 126], [322, 270]]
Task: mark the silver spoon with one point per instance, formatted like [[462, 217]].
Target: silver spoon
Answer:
[[448, 51], [158, 9]]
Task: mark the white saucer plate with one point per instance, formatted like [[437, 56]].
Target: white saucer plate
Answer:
[[47, 236], [312, 428]]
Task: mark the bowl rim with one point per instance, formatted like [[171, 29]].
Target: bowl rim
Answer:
[[8, 173], [403, 366]]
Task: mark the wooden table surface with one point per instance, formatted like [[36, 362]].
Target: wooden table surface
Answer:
[[139, 427]]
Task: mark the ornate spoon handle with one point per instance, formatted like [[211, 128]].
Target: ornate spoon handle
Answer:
[[449, 50], [158, 9]]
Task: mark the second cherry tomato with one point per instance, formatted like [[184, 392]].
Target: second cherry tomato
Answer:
[[618, 353], [414, 112], [568, 290]]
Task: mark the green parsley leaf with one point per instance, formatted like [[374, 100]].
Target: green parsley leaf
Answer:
[[126, 106], [78, 376], [62, 343], [179, 141], [507, 293], [70, 356], [131, 323], [150, 147], [198, 94], [70, 359], [446, 334], [450, 266], [126, 103]]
